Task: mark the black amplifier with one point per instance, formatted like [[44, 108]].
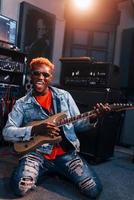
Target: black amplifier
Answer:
[[11, 72], [10, 91], [11, 78], [82, 72], [11, 66]]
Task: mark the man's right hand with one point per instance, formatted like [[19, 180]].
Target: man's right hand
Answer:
[[47, 128]]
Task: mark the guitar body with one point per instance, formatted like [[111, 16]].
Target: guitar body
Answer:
[[59, 120], [24, 147]]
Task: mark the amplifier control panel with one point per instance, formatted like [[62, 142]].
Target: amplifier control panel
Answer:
[[11, 66], [78, 73]]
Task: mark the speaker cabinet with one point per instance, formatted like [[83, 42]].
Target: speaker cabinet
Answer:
[[98, 143], [127, 135], [86, 99]]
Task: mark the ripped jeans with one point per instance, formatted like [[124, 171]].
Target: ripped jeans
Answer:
[[32, 167]]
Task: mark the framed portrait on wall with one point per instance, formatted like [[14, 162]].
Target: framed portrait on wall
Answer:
[[36, 31]]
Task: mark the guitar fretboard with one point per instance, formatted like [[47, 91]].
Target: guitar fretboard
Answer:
[[74, 119], [116, 107]]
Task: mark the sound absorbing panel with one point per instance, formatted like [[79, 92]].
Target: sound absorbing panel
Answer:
[[126, 59]]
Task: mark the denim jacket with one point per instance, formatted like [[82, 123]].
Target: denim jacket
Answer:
[[27, 109]]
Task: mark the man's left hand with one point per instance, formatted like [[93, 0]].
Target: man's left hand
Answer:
[[101, 109]]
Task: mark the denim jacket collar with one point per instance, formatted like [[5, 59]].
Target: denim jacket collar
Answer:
[[56, 99]]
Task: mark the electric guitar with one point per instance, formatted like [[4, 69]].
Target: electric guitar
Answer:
[[59, 120]]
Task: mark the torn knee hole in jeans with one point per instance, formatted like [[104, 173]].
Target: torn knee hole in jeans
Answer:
[[26, 183], [87, 183], [76, 166]]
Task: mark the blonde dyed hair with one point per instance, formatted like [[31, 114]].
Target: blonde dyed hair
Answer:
[[40, 61]]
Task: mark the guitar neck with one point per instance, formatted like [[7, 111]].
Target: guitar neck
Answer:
[[65, 121], [115, 107]]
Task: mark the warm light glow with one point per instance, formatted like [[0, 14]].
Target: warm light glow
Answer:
[[83, 4]]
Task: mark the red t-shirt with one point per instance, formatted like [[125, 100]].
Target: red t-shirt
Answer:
[[46, 102]]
